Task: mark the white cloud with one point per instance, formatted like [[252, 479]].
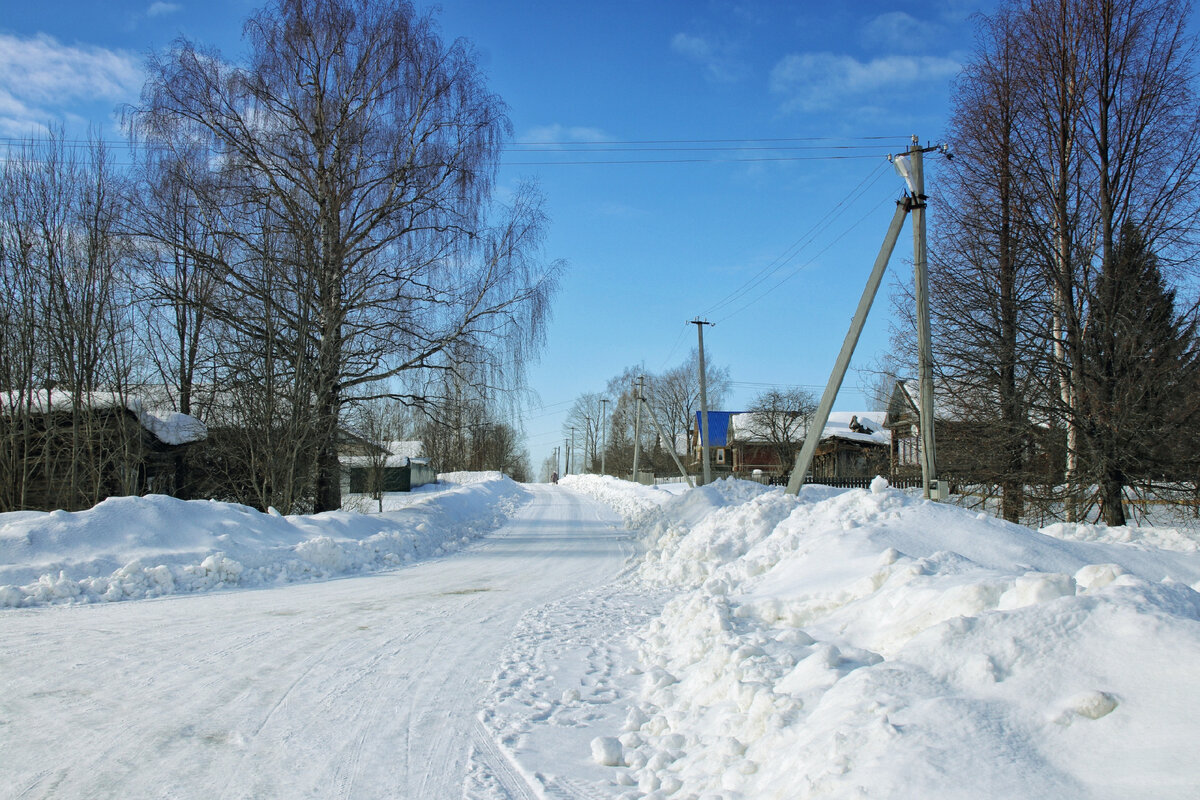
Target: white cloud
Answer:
[[815, 81], [556, 133], [897, 30], [161, 9], [694, 47], [40, 78], [717, 59]]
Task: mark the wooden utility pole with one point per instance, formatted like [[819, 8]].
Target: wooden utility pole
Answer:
[[812, 436], [704, 455], [637, 425], [603, 434]]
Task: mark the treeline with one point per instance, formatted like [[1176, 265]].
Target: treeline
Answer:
[[1065, 231], [294, 237]]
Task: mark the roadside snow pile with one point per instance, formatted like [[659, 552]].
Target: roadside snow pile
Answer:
[[1162, 538], [637, 504], [134, 547], [864, 643]]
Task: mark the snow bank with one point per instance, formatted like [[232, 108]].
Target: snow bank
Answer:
[[636, 504], [1163, 538], [864, 643], [135, 547]]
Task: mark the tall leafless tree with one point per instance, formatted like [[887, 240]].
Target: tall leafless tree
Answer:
[[781, 418], [67, 355], [373, 146], [986, 288]]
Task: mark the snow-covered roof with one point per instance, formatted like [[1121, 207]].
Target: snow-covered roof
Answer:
[[399, 454], [870, 421], [408, 449], [751, 427], [169, 427]]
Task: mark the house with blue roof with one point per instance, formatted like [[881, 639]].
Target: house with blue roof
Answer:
[[720, 444]]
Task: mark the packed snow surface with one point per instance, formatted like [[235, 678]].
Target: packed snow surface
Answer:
[[842, 644]]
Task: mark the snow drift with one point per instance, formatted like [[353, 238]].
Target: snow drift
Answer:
[[136, 547], [864, 643]]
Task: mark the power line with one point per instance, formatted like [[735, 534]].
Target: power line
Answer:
[[796, 271], [675, 346], [724, 141], [797, 246], [594, 148]]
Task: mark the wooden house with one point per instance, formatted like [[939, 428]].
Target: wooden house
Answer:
[[59, 450], [966, 442], [854, 444]]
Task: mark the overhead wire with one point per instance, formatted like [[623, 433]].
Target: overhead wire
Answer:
[[816, 255], [797, 246]]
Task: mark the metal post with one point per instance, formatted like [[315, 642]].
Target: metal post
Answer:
[[637, 426], [924, 339], [813, 435], [704, 440], [603, 434]]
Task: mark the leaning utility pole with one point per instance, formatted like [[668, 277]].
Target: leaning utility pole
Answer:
[[911, 168], [637, 426], [663, 437], [705, 456], [603, 433]]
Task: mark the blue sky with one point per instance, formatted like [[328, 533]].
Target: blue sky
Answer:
[[709, 90]]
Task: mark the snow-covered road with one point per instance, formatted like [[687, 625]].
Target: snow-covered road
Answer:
[[361, 687]]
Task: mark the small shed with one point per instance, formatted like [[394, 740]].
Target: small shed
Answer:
[[393, 467], [854, 444]]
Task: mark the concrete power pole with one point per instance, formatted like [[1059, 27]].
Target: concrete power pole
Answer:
[[704, 455], [603, 434], [571, 452], [637, 426], [924, 339], [911, 168]]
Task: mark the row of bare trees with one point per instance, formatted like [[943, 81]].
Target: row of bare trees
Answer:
[[605, 424], [65, 326], [304, 231], [1065, 225]]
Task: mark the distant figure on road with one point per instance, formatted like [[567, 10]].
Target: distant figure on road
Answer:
[[554, 477]]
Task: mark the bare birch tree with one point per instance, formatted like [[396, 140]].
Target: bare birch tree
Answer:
[[373, 145]]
